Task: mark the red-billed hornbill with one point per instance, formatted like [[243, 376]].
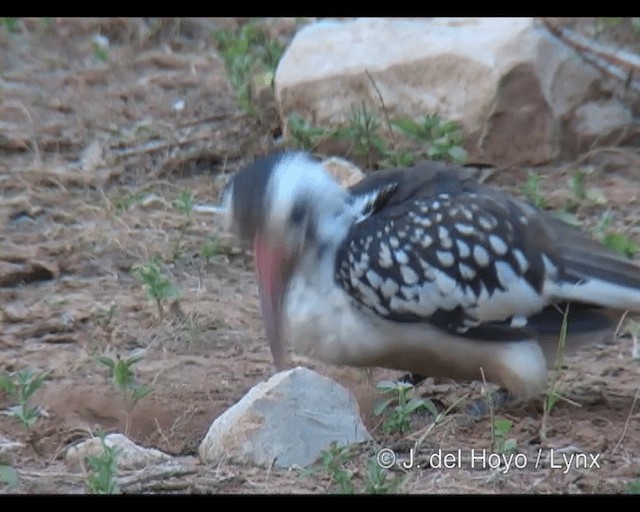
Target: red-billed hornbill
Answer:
[[423, 270]]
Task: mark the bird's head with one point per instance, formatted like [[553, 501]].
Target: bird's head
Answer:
[[283, 204]]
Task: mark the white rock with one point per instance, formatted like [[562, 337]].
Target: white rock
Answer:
[[508, 82], [601, 119], [286, 421], [131, 455]]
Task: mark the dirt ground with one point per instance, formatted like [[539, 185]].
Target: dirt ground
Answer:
[[93, 156]]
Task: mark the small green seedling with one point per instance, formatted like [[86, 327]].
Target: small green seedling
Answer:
[[399, 420], [156, 284], [210, 249], [123, 204], [21, 386], [441, 140], [304, 135], [251, 57], [104, 317], [377, 481], [122, 376], [101, 47], [363, 132], [582, 194], [184, 203], [553, 395], [8, 475], [532, 191], [634, 487], [501, 428], [101, 478], [11, 24], [621, 244], [333, 461]]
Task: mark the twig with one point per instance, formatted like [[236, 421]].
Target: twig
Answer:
[[626, 423], [383, 106]]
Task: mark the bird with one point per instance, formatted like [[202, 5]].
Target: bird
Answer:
[[421, 269]]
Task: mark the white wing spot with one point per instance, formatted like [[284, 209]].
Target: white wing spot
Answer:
[[381, 309], [481, 255], [401, 257], [426, 241], [374, 278], [423, 221], [487, 222], [389, 288], [394, 242], [498, 245], [464, 229], [506, 275], [435, 205], [445, 283], [467, 213], [523, 264], [466, 271], [385, 256], [445, 258], [549, 267], [408, 275], [463, 248]]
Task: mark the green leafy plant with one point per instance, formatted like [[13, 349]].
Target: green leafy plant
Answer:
[[363, 132], [502, 444], [332, 462], [103, 469], [251, 57], [11, 24], [157, 285], [399, 419], [8, 474], [580, 193], [210, 249], [123, 378], [634, 487], [184, 203], [104, 317], [122, 205], [615, 240], [21, 386], [101, 47], [398, 146], [440, 140], [553, 395], [303, 134], [377, 479], [532, 191]]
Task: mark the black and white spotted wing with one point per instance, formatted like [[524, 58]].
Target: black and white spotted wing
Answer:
[[447, 251]]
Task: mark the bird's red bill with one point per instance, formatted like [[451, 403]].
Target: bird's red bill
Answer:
[[268, 262]]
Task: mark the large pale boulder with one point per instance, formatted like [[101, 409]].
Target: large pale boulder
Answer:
[[510, 84], [286, 421]]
